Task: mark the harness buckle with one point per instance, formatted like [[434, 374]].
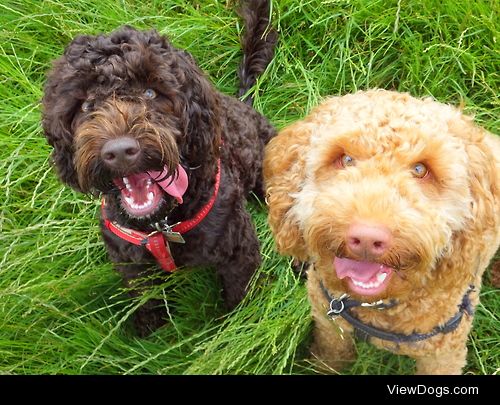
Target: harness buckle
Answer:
[[379, 304], [337, 306]]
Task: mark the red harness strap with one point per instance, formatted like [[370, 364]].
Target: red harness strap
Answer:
[[155, 242]]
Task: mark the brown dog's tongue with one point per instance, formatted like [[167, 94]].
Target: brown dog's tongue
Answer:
[[175, 185], [361, 271]]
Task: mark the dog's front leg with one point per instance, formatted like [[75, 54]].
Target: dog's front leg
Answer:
[[240, 258], [333, 346], [152, 314], [445, 353], [139, 273], [445, 362]]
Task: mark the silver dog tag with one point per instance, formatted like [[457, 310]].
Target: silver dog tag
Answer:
[[168, 232], [175, 237]]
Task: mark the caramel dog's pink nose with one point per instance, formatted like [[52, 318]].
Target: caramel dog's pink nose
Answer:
[[368, 241]]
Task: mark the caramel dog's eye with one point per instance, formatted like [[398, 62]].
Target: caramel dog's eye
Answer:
[[346, 160], [419, 170]]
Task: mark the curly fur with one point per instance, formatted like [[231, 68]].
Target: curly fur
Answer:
[[495, 274], [96, 93], [445, 226]]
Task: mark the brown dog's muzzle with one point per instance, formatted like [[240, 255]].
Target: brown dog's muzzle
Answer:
[[121, 153]]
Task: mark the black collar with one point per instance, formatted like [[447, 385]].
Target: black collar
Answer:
[[341, 307]]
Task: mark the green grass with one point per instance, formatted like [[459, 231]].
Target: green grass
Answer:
[[62, 307]]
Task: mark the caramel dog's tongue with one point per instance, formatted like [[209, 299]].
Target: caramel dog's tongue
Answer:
[[362, 271], [175, 185]]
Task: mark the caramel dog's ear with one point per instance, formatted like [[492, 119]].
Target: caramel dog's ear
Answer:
[[484, 178], [284, 175], [483, 151]]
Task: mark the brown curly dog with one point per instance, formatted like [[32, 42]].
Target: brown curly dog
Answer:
[[134, 118], [395, 202]]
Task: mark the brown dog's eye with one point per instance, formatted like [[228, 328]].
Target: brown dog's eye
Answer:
[[149, 93], [346, 160], [419, 170], [86, 106]]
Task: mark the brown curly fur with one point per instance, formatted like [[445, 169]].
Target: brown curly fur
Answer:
[[445, 226], [495, 274], [96, 92]]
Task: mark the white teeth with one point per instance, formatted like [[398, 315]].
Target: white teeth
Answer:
[[130, 202], [380, 279], [127, 183], [365, 285]]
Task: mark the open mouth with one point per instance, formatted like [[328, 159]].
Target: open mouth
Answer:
[[142, 193], [364, 278], [140, 196]]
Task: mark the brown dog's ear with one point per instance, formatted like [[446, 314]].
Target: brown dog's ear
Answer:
[[63, 95], [202, 112], [284, 174]]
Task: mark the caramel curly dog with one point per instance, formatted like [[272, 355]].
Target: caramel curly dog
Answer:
[[395, 202]]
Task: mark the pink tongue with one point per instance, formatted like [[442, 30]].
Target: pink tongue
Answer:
[[360, 271], [175, 185]]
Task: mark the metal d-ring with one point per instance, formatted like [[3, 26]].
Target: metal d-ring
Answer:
[[335, 301]]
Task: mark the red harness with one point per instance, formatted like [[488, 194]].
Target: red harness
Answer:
[[157, 241]]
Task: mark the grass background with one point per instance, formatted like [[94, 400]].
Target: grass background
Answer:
[[62, 308]]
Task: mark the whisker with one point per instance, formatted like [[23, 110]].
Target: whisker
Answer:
[[160, 179], [400, 274]]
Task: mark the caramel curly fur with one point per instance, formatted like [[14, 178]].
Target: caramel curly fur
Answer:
[[445, 226]]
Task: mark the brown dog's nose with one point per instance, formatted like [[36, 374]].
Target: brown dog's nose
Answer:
[[368, 241], [121, 152]]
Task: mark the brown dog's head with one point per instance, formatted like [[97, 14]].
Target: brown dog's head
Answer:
[[377, 188], [124, 112]]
